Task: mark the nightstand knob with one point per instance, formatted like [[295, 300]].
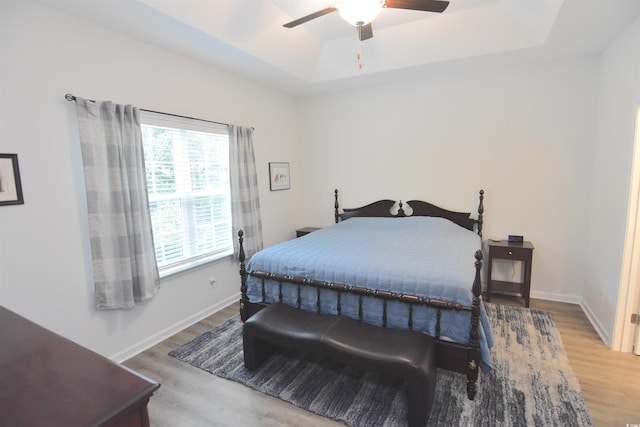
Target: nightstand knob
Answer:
[[510, 253]]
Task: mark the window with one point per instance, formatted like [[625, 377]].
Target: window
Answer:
[[187, 164]]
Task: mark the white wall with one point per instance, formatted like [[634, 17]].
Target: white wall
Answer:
[[44, 251], [523, 133], [619, 100], [549, 142]]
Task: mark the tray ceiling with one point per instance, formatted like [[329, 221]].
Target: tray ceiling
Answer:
[[247, 36]]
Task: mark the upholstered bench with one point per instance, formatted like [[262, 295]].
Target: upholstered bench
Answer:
[[403, 354]]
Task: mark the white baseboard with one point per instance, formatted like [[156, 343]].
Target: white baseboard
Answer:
[[171, 330], [572, 299], [550, 296], [600, 330]]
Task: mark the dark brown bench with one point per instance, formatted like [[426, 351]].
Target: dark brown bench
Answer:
[[408, 355]]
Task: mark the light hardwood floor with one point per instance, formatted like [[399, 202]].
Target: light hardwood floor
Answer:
[[188, 396]]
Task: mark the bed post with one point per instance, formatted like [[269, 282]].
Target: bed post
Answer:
[[474, 337], [336, 205], [480, 212], [243, 278]]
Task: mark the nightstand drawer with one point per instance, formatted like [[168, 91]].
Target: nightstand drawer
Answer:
[[514, 253]]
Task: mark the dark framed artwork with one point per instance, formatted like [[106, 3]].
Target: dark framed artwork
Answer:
[[279, 176], [10, 186]]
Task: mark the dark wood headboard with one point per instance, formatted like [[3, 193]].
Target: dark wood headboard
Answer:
[[382, 208]]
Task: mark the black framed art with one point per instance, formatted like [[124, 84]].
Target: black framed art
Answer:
[[279, 176], [10, 185]]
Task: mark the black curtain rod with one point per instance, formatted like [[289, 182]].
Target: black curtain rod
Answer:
[[70, 97]]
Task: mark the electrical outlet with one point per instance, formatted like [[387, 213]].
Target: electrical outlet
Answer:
[[212, 280]]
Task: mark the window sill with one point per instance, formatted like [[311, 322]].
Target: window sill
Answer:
[[169, 272]]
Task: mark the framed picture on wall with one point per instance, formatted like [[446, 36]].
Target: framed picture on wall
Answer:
[[279, 178], [10, 186]]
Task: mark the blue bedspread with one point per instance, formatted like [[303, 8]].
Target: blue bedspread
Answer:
[[430, 257]]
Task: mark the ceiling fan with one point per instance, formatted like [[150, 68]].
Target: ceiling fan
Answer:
[[360, 13]]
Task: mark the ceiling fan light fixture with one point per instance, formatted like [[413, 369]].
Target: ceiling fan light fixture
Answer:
[[359, 12]]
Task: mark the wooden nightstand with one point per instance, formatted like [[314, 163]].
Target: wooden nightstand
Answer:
[[305, 230], [514, 252]]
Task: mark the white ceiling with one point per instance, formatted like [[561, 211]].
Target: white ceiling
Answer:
[[247, 37]]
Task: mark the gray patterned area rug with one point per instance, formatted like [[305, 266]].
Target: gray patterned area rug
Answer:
[[531, 384]]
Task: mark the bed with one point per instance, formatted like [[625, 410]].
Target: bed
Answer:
[[400, 265]]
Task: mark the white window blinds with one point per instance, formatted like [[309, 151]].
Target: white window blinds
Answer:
[[187, 166]]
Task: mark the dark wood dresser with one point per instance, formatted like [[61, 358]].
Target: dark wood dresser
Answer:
[[47, 380]]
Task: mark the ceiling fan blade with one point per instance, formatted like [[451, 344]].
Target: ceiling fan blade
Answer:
[[307, 18], [424, 5], [365, 32]]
